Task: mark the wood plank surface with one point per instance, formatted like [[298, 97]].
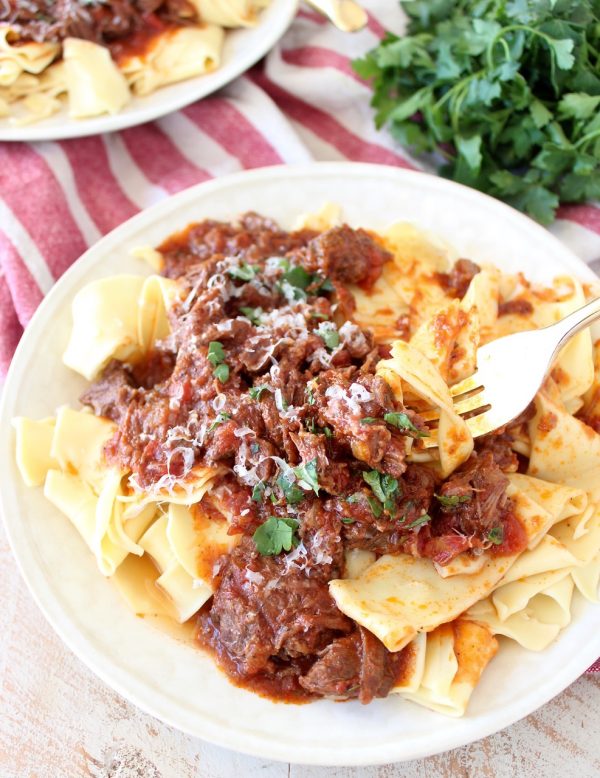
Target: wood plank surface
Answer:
[[58, 721]]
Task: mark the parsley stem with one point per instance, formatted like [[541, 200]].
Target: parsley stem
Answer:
[[586, 138]]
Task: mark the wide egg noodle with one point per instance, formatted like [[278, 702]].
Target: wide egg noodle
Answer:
[[18, 57], [587, 579], [406, 284], [105, 324], [32, 445], [573, 371], [186, 592], [455, 656], [175, 55], [156, 298], [563, 448], [229, 13], [401, 595], [94, 83], [33, 97], [450, 339], [455, 442], [178, 491], [541, 503], [197, 539]]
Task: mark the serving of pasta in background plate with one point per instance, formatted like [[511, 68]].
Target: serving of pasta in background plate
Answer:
[[248, 460], [100, 62]]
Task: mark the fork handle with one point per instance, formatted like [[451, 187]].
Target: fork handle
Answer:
[[575, 322]]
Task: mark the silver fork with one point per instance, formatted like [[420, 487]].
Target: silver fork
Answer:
[[510, 370]]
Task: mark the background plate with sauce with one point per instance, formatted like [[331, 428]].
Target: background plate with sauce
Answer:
[[169, 678], [242, 49]]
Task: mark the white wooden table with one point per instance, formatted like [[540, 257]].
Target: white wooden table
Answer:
[[58, 721]]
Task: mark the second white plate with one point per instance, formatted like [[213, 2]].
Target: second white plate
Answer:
[[243, 48]]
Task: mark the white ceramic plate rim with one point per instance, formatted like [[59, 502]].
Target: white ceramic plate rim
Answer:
[[131, 688], [273, 24]]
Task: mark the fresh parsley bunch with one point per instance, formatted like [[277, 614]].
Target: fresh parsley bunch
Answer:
[[506, 91]]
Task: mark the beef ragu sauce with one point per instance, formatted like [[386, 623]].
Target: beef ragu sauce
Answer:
[[266, 375], [127, 27]]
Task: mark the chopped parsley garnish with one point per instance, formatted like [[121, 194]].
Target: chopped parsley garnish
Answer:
[[496, 536], [299, 277], [375, 506], [216, 357], [221, 373], [385, 488], [347, 521], [356, 497], [256, 391], [310, 395], [326, 286], [291, 491], [424, 519], [402, 422], [369, 420], [317, 315], [254, 314], [219, 420], [276, 535], [307, 474], [216, 353], [314, 428], [258, 492], [453, 500], [327, 331], [244, 272]]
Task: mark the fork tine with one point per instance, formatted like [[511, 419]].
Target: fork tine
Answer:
[[467, 385], [478, 424], [470, 402]]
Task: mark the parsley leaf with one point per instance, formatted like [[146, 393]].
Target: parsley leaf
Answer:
[[256, 391], [385, 488], [219, 420], [244, 272], [221, 373], [327, 331], [424, 519], [216, 357], [258, 492], [291, 491], [276, 535], [453, 500], [402, 422], [375, 506], [370, 420], [216, 353], [504, 94], [307, 474], [254, 314], [496, 536]]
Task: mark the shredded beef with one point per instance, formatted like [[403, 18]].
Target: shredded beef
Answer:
[[111, 394], [358, 665], [266, 375], [517, 307], [101, 21], [457, 281]]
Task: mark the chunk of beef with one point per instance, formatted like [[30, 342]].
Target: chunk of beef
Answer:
[[457, 281], [473, 501], [268, 608], [110, 394], [358, 665], [516, 307], [347, 256]]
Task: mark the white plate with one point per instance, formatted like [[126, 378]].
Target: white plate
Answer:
[[242, 49], [173, 681]]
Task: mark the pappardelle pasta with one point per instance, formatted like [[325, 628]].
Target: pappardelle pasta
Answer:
[[254, 430], [99, 53]]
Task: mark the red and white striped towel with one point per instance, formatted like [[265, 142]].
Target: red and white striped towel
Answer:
[[302, 103]]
